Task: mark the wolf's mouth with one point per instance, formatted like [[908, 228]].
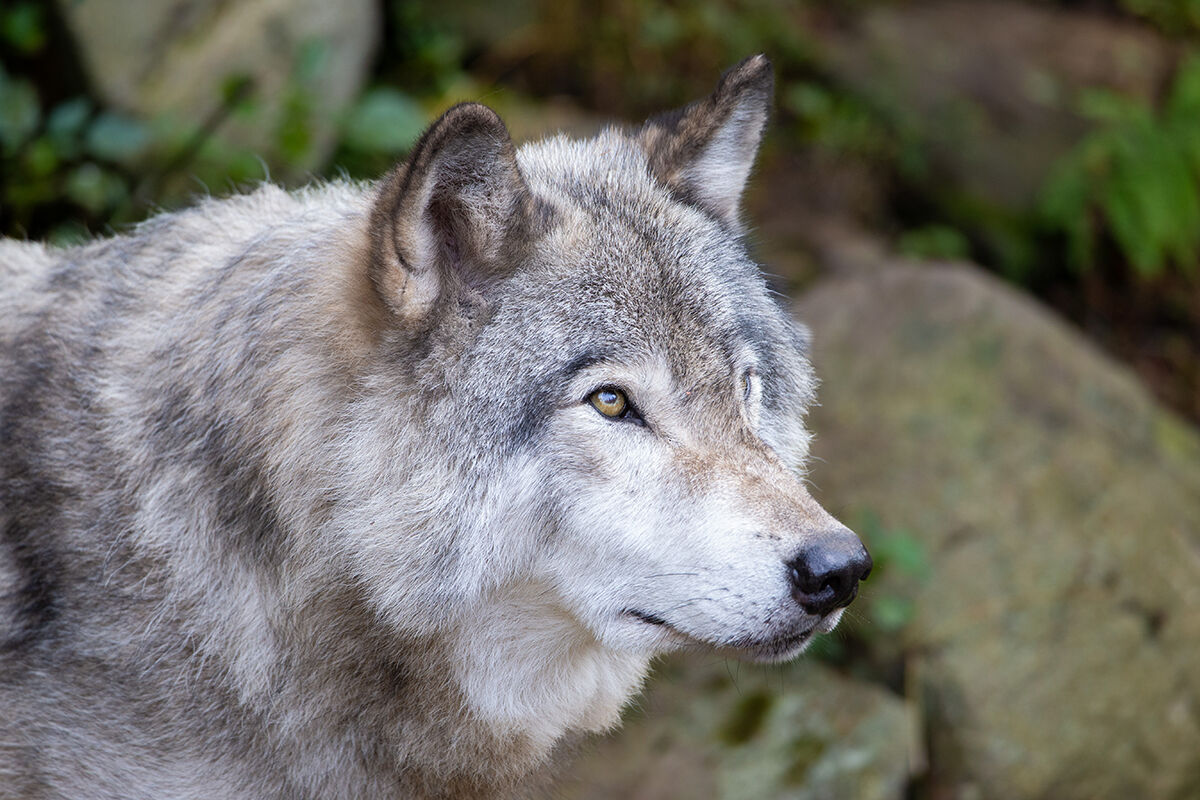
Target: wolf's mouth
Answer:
[[649, 619], [775, 649], [780, 648]]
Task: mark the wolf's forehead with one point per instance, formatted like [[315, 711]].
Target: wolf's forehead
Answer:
[[701, 305], [606, 179], [637, 269], [558, 164], [615, 219]]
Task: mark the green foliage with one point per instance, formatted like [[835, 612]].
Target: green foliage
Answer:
[[113, 137], [836, 120], [422, 54], [885, 604], [23, 28], [633, 57], [384, 120], [71, 166], [901, 564], [95, 188], [1132, 182], [19, 112], [293, 136], [938, 242], [1135, 179], [1173, 16], [61, 160], [378, 130]]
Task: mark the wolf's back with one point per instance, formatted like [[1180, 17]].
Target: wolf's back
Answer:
[[25, 366], [23, 268], [137, 376]]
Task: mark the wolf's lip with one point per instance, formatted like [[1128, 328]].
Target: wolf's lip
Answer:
[[770, 649], [779, 648]]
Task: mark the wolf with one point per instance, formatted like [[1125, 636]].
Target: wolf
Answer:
[[383, 489]]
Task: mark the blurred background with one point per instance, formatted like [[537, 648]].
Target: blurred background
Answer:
[[987, 210]]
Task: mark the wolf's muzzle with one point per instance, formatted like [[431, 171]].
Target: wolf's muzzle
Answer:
[[825, 575]]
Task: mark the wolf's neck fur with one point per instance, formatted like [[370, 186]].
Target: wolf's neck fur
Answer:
[[409, 712], [527, 667]]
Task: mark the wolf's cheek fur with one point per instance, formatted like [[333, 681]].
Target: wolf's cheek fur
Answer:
[[668, 543]]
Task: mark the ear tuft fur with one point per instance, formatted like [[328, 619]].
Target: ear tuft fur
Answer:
[[704, 151]]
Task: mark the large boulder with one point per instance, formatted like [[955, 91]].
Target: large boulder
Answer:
[[1055, 639], [300, 61], [710, 729]]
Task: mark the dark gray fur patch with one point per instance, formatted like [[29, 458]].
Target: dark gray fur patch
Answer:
[[34, 600], [29, 500], [193, 434], [538, 401], [247, 518], [583, 361]]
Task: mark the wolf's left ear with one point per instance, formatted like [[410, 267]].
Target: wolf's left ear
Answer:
[[704, 151], [453, 218]]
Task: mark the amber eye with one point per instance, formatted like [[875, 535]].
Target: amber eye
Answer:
[[609, 401]]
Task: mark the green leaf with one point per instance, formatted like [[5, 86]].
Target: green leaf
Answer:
[[66, 124], [1184, 99], [1103, 105], [893, 549], [237, 93], [934, 242], [1124, 203], [1139, 174], [383, 121], [68, 118], [1151, 201], [1065, 205], [117, 138], [95, 188], [294, 136], [808, 101], [905, 552], [22, 27], [891, 613], [67, 234], [41, 158]]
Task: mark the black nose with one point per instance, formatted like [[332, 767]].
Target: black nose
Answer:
[[825, 576]]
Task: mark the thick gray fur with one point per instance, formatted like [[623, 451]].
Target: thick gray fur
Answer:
[[302, 494]]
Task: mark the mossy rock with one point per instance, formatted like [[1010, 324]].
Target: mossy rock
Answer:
[[707, 728], [1055, 641]]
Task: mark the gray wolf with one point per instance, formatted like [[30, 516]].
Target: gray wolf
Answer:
[[381, 490]]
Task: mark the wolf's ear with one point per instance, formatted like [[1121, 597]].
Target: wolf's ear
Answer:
[[453, 216], [704, 151]]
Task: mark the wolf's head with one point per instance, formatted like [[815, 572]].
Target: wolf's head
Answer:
[[601, 401]]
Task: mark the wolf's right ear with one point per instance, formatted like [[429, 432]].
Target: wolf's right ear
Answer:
[[453, 217]]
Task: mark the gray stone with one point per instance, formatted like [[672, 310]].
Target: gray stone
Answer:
[[712, 729], [1055, 646], [176, 59]]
